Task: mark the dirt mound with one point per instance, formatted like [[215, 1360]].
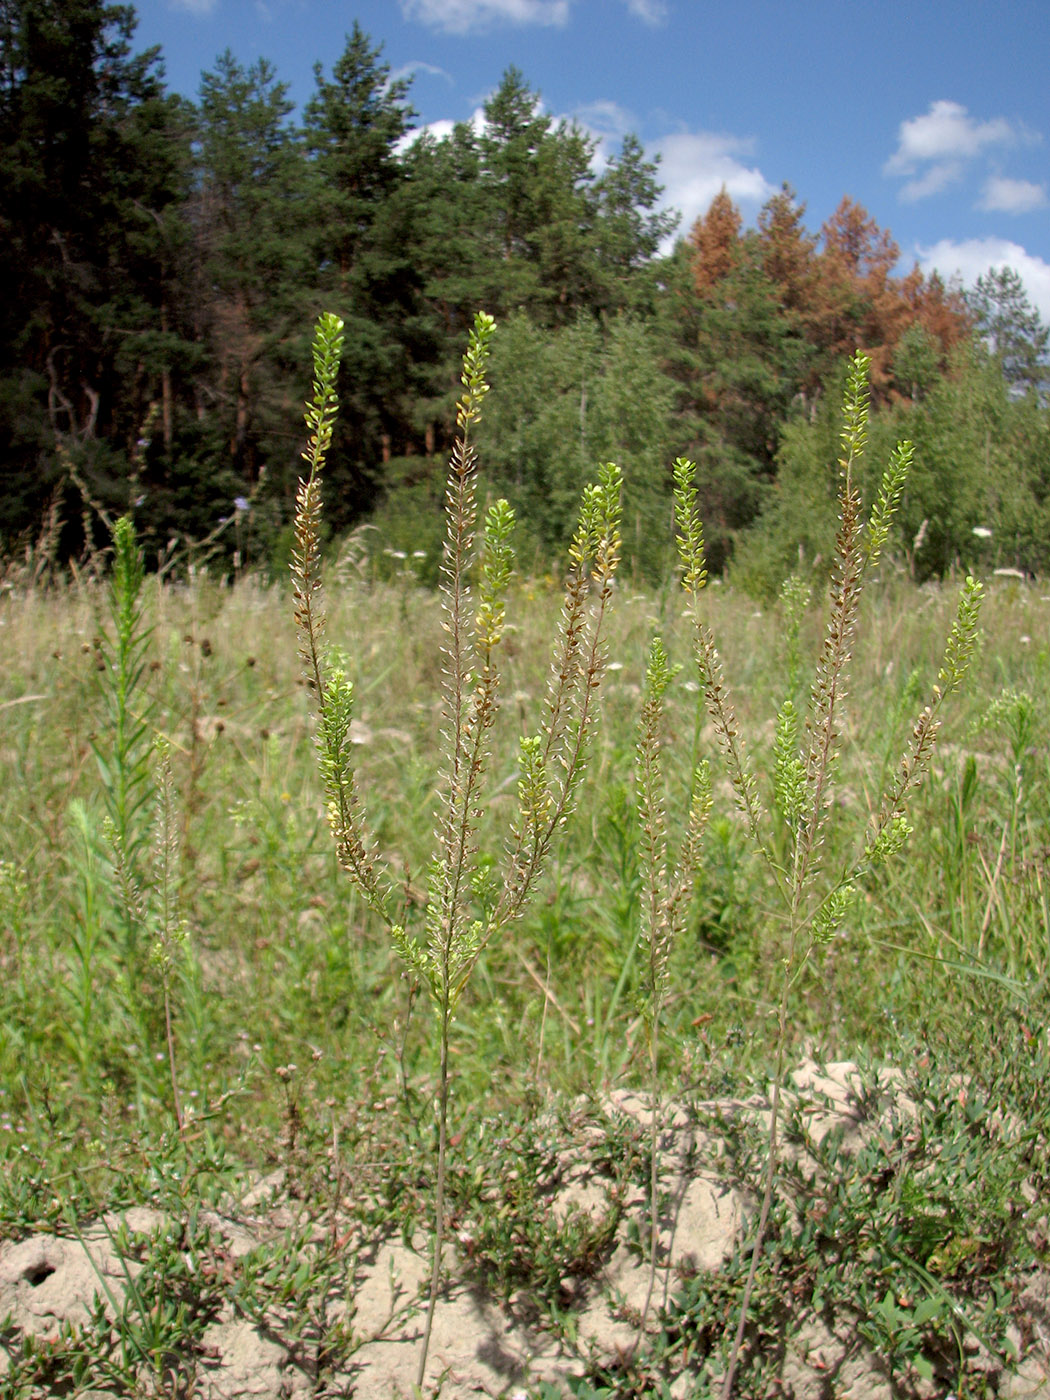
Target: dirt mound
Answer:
[[69, 1291]]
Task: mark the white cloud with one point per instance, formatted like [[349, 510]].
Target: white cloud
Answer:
[[972, 258], [934, 150], [441, 129], [605, 118], [945, 132], [607, 123], [469, 16], [652, 12], [416, 65], [1012, 196], [937, 178], [195, 7], [695, 165]]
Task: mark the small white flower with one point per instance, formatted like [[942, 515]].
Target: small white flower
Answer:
[[982, 532], [241, 503]]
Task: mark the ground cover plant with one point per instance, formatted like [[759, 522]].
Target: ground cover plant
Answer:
[[217, 1077]]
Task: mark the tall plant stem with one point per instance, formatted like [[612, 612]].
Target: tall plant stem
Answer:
[[654, 1172], [771, 1162], [169, 1032], [439, 1202], [474, 622]]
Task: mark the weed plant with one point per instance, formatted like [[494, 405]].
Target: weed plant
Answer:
[[667, 885], [815, 895], [471, 899], [816, 899], [896, 1239]]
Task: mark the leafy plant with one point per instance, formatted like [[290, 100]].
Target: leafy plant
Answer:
[[815, 899], [123, 756], [913, 1239], [465, 909], [511, 1227], [151, 904], [109, 856]]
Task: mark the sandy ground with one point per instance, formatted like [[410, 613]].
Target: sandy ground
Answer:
[[481, 1345]]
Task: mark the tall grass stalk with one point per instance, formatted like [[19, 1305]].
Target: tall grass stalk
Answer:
[[667, 885], [1011, 714], [465, 907], [87, 937], [144, 848], [815, 898]]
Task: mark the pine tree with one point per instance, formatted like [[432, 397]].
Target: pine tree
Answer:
[[90, 166], [253, 264], [538, 204], [1006, 320], [354, 124], [714, 240], [366, 251], [438, 212], [630, 228]]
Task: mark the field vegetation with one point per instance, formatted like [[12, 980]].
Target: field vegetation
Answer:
[[195, 997]]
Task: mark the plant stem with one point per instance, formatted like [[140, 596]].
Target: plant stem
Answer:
[[439, 1202], [170, 1036], [771, 1164], [654, 1173]]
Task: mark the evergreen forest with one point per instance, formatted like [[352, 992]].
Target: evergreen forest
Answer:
[[164, 262]]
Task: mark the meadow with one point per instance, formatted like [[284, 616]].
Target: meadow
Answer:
[[683, 1020], [300, 1043]]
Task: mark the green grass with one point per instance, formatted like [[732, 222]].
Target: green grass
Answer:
[[944, 968]]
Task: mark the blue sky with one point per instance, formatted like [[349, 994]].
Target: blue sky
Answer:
[[934, 115]]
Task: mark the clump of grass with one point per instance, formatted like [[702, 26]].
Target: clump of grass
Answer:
[[465, 908], [110, 857], [152, 905], [816, 897]]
